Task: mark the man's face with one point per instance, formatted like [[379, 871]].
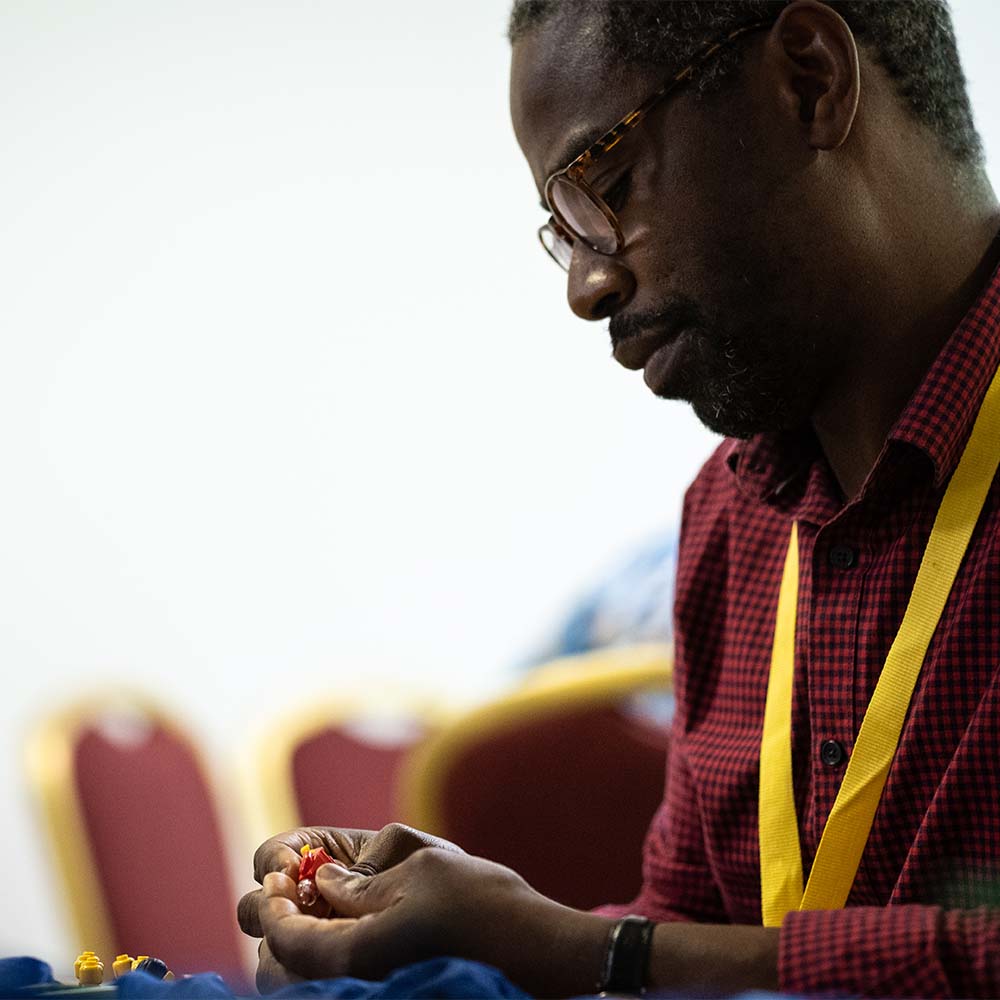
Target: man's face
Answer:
[[713, 295]]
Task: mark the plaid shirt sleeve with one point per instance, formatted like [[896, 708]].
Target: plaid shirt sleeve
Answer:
[[901, 951]]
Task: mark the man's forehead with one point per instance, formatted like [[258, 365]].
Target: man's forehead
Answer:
[[563, 95]]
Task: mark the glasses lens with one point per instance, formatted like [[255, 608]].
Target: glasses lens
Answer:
[[559, 248], [581, 215]]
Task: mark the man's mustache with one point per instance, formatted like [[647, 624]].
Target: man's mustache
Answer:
[[676, 313]]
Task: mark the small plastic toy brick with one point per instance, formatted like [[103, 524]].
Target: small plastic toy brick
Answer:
[[153, 967], [122, 965], [91, 972], [80, 959], [138, 959], [312, 859]]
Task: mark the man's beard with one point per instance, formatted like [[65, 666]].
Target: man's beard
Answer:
[[740, 381]]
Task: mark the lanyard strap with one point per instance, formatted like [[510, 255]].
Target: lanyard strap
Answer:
[[849, 823]]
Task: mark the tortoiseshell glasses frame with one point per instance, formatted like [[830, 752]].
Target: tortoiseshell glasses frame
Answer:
[[567, 192]]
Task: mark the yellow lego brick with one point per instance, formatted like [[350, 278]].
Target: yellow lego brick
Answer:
[[122, 964], [91, 973], [80, 959]]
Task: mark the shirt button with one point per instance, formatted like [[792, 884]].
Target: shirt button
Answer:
[[832, 753], [842, 556]]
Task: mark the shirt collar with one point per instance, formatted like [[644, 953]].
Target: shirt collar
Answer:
[[765, 465], [939, 417], [937, 420]]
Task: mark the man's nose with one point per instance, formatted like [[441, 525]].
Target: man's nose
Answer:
[[598, 285]]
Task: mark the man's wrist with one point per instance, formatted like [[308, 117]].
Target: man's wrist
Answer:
[[719, 958], [567, 953]]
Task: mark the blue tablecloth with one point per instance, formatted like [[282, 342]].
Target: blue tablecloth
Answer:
[[448, 978], [444, 978]]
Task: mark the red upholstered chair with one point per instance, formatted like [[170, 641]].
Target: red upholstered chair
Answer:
[[138, 837], [338, 763], [559, 779]]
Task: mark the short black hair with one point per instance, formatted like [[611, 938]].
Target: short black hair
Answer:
[[913, 41]]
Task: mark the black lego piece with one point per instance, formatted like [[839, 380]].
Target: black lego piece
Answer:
[[153, 967]]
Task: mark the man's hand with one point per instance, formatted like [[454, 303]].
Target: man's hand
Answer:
[[270, 975], [435, 902], [395, 903], [364, 851]]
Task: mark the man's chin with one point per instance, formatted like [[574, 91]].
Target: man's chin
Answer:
[[729, 394], [742, 419]]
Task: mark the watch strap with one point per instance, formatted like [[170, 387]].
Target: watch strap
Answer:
[[626, 961]]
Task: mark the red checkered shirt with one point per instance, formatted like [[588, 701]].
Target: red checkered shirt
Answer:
[[918, 920]]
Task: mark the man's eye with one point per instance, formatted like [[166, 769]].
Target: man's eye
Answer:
[[617, 194]]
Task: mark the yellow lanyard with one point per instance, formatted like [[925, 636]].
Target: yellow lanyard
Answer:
[[850, 821]]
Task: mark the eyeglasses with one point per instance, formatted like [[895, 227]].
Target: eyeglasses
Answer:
[[578, 211]]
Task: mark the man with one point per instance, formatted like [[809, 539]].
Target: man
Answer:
[[798, 238]]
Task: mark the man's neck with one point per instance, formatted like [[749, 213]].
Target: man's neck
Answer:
[[917, 311]]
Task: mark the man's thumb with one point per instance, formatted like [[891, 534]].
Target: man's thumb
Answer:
[[351, 894]]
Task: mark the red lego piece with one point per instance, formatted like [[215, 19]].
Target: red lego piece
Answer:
[[308, 865]]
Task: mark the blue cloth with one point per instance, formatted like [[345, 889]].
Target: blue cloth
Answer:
[[143, 986], [444, 978], [19, 973], [447, 978]]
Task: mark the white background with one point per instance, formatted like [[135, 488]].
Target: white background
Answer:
[[287, 389]]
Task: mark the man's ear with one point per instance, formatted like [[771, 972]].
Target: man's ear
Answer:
[[813, 59]]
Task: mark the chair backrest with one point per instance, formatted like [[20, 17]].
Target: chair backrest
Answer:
[[559, 779], [338, 763], [137, 834]]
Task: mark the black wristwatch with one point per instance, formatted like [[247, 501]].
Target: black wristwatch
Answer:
[[626, 962]]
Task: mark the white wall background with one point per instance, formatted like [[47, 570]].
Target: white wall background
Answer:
[[287, 389]]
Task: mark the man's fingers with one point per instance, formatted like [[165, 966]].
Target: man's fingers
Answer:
[[351, 894], [277, 855], [271, 975], [392, 845], [248, 915], [283, 852], [248, 911], [307, 946]]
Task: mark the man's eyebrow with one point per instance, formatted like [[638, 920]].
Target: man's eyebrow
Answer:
[[575, 143]]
